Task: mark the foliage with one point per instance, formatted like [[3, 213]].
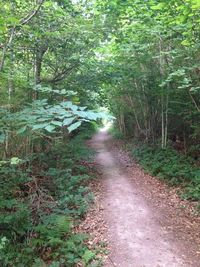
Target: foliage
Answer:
[[171, 166], [39, 207], [151, 85], [49, 93], [152, 65], [39, 115], [116, 133], [59, 62]]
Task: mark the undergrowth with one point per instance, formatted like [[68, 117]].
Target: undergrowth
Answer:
[[42, 199], [171, 166], [116, 133]]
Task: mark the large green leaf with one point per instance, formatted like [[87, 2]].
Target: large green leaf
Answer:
[[50, 128], [39, 126], [57, 123], [74, 126], [68, 121]]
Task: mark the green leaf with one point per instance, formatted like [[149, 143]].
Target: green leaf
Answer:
[[82, 108], [74, 126], [160, 6], [15, 161], [21, 130], [2, 162], [39, 126], [68, 121], [57, 123], [88, 256], [91, 115], [63, 92], [50, 128]]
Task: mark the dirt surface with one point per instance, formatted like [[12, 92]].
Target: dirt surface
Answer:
[[147, 223]]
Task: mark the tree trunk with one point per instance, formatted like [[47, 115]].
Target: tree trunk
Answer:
[[40, 51]]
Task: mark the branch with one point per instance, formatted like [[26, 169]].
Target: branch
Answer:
[[194, 102], [61, 75], [6, 48], [32, 14]]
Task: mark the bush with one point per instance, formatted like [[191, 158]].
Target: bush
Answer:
[[40, 205], [116, 133], [174, 168]]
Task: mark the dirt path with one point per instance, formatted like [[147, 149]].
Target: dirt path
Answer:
[[142, 231]]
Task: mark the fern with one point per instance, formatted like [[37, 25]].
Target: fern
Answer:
[[172, 167]]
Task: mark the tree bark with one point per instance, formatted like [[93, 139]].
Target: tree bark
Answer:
[[40, 51]]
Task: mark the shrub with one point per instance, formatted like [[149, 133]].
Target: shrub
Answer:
[[41, 200], [169, 165]]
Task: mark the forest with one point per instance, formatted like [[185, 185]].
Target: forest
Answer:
[[67, 67]]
